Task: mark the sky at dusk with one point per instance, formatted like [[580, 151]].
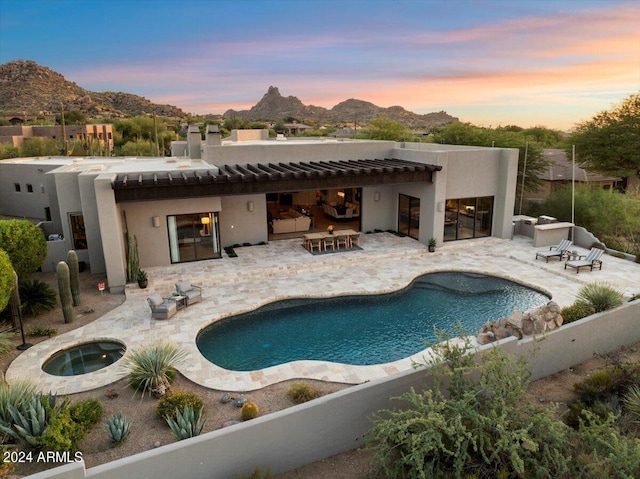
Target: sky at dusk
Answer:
[[488, 62]]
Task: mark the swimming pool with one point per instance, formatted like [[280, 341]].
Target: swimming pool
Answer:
[[362, 329]]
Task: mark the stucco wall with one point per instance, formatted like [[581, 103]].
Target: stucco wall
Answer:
[[23, 203], [239, 225], [336, 423]]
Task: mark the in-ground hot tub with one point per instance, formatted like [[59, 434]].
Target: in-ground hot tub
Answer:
[[84, 358]]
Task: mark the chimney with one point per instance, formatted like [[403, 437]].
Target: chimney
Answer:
[[212, 136], [194, 141]]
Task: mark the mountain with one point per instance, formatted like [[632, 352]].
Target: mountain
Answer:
[[28, 87], [274, 106]]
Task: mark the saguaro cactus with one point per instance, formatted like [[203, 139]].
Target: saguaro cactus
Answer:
[[133, 262], [74, 275], [64, 288]]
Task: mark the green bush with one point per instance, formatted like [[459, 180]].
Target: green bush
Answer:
[[631, 401], [6, 279], [601, 295], [25, 244], [42, 331], [611, 381], [178, 399], [86, 413], [301, 393], [36, 296], [258, 474], [580, 412], [576, 311], [153, 368]]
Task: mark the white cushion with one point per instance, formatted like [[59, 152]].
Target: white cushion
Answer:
[[183, 286]]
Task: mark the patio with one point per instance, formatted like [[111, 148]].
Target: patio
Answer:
[[284, 269]]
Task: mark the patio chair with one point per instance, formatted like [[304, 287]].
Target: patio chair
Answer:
[[592, 260], [161, 308], [330, 241], [315, 244], [559, 250], [193, 293]]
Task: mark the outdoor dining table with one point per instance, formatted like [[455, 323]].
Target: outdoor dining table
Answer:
[[324, 235]]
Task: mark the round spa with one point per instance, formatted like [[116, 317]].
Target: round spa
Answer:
[[84, 358]]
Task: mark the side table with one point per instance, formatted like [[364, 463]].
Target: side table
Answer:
[[181, 302]]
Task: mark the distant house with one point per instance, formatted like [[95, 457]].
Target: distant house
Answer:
[[295, 128], [91, 136], [560, 174]]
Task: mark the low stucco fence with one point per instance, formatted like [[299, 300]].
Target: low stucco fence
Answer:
[[336, 423]]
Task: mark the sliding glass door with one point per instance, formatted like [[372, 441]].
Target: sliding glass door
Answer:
[[193, 237], [409, 215], [468, 218]]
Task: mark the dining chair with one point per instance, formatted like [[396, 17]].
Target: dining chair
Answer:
[[354, 238], [342, 240], [330, 241], [315, 244]]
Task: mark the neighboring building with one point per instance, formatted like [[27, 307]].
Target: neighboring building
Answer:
[[218, 193], [561, 172], [92, 137]]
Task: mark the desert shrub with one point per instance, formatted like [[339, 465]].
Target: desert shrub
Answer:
[[178, 400], [187, 423], [36, 296], [301, 393], [118, 427], [87, 413], [459, 428], [42, 331], [576, 311], [579, 412], [611, 381], [153, 368], [6, 341], [249, 411], [601, 295], [6, 279]]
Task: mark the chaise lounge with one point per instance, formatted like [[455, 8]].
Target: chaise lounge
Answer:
[[559, 251], [161, 308], [592, 260], [192, 293]]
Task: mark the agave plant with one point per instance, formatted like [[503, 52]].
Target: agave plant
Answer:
[[30, 421], [14, 394], [187, 423], [118, 427], [6, 342], [151, 369]]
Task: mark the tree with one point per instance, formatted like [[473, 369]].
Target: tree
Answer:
[[137, 148], [468, 134], [385, 129], [25, 244], [609, 141], [40, 146], [6, 279]]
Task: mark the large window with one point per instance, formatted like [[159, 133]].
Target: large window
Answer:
[[468, 218], [78, 234], [409, 215], [193, 237]]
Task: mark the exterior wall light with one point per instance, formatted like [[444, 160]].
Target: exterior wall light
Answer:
[[156, 221], [250, 206], [376, 196]]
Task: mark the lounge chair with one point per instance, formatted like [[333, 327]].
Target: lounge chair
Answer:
[[161, 308], [193, 293], [592, 260], [559, 250]]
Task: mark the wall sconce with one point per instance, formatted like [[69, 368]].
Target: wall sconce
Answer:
[[341, 194], [250, 206], [156, 221], [440, 206], [376, 196]]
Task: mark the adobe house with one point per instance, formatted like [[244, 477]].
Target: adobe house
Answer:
[[216, 193]]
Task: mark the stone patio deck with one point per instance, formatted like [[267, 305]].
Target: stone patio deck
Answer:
[[284, 269]]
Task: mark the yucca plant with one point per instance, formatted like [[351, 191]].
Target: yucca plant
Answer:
[[152, 369], [118, 427], [631, 402], [187, 423], [36, 296], [601, 295]]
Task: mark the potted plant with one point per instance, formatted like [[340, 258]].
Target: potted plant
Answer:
[[432, 244], [330, 229], [142, 279]]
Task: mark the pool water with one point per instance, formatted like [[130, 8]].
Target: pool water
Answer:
[[84, 358], [363, 329]]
